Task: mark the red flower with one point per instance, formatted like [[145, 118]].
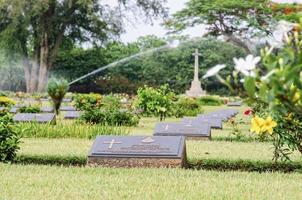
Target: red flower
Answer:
[[248, 112]]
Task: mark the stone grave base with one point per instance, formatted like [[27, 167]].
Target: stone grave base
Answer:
[[197, 138], [115, 162]]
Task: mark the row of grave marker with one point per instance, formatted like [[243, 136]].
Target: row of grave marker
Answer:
[[166, 148], [195, 128], [47, 115]]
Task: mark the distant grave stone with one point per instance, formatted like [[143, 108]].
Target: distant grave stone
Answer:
[[213, 122], [67, 108], [34, 117], [45, 99], [138, 151], [3, 108], [14, 110], [189, 130], [30, 99], [67, 100], [72, 114], [234, 104], [228, 112], [11, 110], [221, 116], [47, 109]]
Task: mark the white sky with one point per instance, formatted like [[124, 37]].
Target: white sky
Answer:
[[140, 28]]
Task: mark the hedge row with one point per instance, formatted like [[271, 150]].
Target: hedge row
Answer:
[[205, 164]]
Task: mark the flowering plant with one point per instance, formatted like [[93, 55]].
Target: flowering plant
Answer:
[[5, 101], [277, 84]]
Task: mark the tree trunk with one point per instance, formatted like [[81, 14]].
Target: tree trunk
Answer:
[[238, 42], [43, 71]]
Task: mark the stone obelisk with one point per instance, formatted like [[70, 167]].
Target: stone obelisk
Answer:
[[196, 90]]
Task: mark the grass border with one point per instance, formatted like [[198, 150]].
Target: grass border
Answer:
[[205, 164]]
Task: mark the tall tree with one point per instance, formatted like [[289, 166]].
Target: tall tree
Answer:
[[236, 20], [36, 28]]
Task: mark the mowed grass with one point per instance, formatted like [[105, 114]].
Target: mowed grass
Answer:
[[61, 182], [45, 182], [196, 150]]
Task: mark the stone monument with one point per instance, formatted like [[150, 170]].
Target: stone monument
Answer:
[[196, 90]]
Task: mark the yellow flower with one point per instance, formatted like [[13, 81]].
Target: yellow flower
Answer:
[[5, 101], [269, 124], [289, 116], [296, 96], [257, 124]]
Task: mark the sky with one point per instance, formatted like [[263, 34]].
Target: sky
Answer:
[[139, 28]]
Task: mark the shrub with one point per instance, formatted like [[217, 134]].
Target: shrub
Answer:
[[5, 101], [9, 138], [111, 102], [30, 109], [278, 85], [111, 117], [210, 101], [56, 89], [155, 101], [122, 118], [87, 101], [187, 107]]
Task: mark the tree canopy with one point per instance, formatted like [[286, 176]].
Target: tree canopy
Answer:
[[165, 66], [35, 29], [236, 20]]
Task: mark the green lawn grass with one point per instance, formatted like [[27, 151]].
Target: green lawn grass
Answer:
[[69, 182], [45, 182]]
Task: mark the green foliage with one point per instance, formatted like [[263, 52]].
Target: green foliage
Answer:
[[5, 101], [105, 110], [187, 107], [235, 128], [245, 165], [155, 101], [56, 89], [278, 85], [149, 42], [30, 109], [111, 117], [9, 138], [116, 84], [87, 131], [111, 102], [87, 101], [210, 101], [287, 11], [38, 29], [173, 66], [230, 18]]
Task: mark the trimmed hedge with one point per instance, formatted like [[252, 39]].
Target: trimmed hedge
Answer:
[[205, 164], [210, 101], [246, 165]]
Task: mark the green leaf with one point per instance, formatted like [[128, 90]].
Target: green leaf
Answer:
[[250, 86], [263, 92]]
